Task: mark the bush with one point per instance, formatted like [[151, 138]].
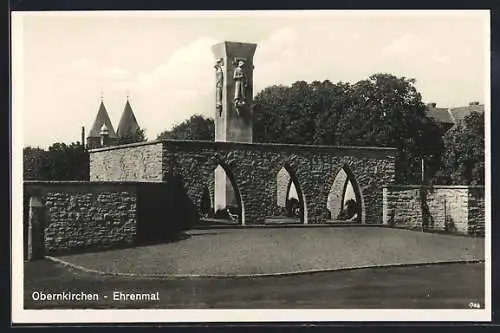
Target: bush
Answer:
[[59, 162]]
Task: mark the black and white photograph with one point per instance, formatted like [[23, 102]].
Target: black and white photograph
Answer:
[[251, 166]]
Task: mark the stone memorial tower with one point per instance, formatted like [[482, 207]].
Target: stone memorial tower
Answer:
[[232, 105]]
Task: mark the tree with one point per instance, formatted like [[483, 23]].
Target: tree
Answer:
[[59, 162], [383, 110], [35, 164], [463, 160], [195, 128], [388, 111], [300, 114], [139, 136]]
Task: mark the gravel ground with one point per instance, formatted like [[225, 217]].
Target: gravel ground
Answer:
[[282, 250]]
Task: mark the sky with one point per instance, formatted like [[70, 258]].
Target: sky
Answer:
[[63, 62]]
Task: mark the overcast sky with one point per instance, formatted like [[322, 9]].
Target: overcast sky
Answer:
[[164, 60]]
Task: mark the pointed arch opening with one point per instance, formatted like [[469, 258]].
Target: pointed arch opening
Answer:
[[290, 201], [345, 201], [227, 204]]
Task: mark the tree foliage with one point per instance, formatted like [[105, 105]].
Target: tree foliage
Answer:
[[59, 162], [300, 114], [463, 160], [195, 128], [383, 110], [139, 136]]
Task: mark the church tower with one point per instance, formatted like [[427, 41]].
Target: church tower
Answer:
[[128, 126], [102, 119]]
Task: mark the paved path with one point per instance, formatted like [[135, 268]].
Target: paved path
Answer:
[[424, 287], [283, 250]]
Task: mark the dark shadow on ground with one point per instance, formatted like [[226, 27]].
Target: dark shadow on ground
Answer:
[[165, 212]]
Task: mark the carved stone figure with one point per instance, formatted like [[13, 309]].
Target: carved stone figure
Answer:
[[219, 82], [240, 84]]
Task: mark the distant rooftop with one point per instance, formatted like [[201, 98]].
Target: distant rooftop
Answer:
[[451, 116]]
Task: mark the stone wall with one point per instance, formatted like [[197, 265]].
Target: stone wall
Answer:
[[457, 209], [132, 162], [476, 211], [80, 216], [253, 168]]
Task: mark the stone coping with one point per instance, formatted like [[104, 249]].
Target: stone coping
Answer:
[[129, 145], [221, 144], [288, 225], [87, 182], [416, 187]]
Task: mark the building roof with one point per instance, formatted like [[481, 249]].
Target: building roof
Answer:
[[101, 119], [128, 125], [440, 115], [451, 116], [460, 113]]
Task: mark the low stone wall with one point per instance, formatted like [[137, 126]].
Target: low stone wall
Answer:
[[75, 216], [457, 209], [132, 162], [476, 211]]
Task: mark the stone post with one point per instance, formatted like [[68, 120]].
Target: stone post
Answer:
[[385, 218], [35, 227], [232, 105]]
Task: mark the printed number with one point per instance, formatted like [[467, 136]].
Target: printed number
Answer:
[[474, 305]]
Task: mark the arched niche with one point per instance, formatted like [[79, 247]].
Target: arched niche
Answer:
[[345, 200], [289, 194], [227, 195]]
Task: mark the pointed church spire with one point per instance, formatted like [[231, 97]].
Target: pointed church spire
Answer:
[[102, 118], [128, 125]]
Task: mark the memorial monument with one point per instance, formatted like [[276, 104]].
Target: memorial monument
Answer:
[[233, 105]]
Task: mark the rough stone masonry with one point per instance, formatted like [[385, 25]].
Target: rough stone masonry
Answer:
[[448, 208], [253, 170]]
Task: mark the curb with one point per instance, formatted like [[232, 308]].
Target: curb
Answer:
[[257, 275], [285, 225]]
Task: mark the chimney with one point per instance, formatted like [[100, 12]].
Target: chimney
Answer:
[[83, 137], [474, 103], [431, 105]]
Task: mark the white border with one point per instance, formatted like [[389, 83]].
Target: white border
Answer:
[[487, 154], [19, 315]]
